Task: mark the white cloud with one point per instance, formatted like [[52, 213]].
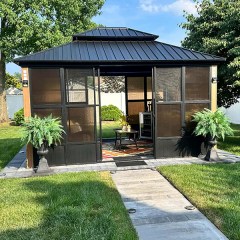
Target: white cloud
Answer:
[[176, 7]]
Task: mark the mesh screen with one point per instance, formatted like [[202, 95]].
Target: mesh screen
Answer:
[[56, 112], [192, 108], [168, 84], [149, 88], [77, 81], [197, 83], [168, 120], [133, 111], [135, 88], [81, 124], [45, 86]]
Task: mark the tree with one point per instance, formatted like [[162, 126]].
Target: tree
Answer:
[[216, 30], [12, 81], [113, 84], [29, 26]]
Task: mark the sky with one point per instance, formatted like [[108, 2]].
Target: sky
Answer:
[[159, 17]]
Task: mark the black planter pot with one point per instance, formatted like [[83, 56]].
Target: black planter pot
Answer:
[[212, 152], [43, 166]]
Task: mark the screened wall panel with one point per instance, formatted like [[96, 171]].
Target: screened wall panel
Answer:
[[44, 112], [197, 83], [135, 88], [191, 108], [168, 120], [79, 84], [45, 86], [133, 111], [80, 125], [149, 88], [168, 84]]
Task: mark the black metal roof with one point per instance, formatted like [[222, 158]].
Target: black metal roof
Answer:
[[118, 50], [111, 33]]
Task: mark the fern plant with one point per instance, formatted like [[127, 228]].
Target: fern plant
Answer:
[[214, 124], [45, 131]]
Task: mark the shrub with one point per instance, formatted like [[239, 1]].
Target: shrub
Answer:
[[110, 113], [19, 117]]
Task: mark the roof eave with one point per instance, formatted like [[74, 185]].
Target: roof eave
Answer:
[[123, 62]]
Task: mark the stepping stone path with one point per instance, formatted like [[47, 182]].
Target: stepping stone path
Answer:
[[161, 209]]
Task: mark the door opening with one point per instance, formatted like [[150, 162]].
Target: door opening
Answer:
[[132, 97]]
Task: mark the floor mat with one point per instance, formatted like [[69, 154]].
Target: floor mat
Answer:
[[129, 163], [127, 158]]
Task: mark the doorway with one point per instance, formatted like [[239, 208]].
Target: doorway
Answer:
[[132, 94]]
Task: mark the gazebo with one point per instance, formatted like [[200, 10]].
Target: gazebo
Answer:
[[65, 81]]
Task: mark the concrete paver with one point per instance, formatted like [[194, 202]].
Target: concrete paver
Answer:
[[160, 208]]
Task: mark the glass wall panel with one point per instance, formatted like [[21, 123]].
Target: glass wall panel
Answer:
[[135, 88], [133, 111], [45, 86], [192, 108], [197, 83], [81, 124], [168, 84], [168, 120], [79, 82]]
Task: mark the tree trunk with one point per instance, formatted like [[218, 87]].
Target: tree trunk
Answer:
[[3, 102]]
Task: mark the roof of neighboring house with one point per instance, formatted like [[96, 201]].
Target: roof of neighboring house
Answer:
[[113, 45]]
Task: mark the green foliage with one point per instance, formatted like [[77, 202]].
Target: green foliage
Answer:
[[110, 113], [123, 120], [215, 124], [38, 131], [113, 84], [19, 117], [12, 81], [216, 30], [31, 26]]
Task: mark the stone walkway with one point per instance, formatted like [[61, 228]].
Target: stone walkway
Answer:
[[160, 208], [17, 167]]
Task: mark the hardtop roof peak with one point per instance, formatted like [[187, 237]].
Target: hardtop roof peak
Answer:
[[114, 33]]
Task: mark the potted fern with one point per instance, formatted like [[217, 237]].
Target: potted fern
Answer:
[[42, 133], [212, 125]]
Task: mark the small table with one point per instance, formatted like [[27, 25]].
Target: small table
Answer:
[[118, 136]]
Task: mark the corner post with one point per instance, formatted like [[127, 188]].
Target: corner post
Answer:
[[27, 111], [213, 88]]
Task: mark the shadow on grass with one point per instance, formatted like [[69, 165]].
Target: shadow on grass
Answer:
[[70, 206]]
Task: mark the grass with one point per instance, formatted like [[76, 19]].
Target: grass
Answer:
[[232, 143], [107, 128], [214, 189], [10, 143], [83, 206]]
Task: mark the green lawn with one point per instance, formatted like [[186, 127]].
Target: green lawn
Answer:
[[232, 143], [214, 189], [107, 128], [10, 143], [74, 206]]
